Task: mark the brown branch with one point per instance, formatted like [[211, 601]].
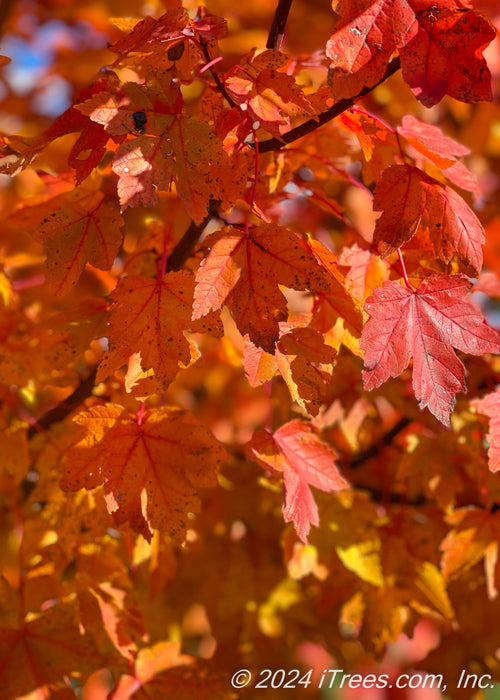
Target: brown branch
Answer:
[[59, 413], [337, 109], [277, 31], [185, 246], [374, 450], [176, 260], [6, 7]]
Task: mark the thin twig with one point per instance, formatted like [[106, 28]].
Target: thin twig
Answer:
[[277, 31], [220, 85], [337, 109]]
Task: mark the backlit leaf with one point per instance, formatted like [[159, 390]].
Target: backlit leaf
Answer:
[[150, 316], [407, 196], [305, 460], [151, 468], [425, 324], [244, 268]]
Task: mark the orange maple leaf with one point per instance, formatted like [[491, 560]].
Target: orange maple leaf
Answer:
[[81, 227], [44, 651], [150, 316], [151, 468], [244, 268], [161, 671], [270, 96], [299, 357]]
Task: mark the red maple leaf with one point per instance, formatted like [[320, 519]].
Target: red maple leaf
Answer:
[[270, 95], [87, 151], [435, 59], [150, 31], [440, 150], [430, 140], [407, 196], [305, 460], [364, 39], [425, 324], [438, 62]]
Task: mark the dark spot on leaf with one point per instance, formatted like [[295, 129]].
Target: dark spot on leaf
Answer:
[[176, 51], [140, 119]]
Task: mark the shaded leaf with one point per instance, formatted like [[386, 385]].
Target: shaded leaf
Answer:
[[270, 95], [76, 228], [46, 649], [151, 469], [161, 671], [474, 536], [407, 196]]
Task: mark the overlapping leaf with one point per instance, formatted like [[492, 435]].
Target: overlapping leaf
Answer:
[[336, 302], [270, 95], [438, 62], [244, 268], [434, 58], [365, 37], [441, 150], [151, 468], [75, 228], [150, 31], [407, 196], [167, 146], [150, 317], [300, 357], [305, 460], [87, 151], [425, 324], [44, 651], [490, 406]]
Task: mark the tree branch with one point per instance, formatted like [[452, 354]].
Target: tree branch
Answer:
[[184, 247], [6, 7], [277, 31], [374, 450], [337, 109], [59, 413]]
